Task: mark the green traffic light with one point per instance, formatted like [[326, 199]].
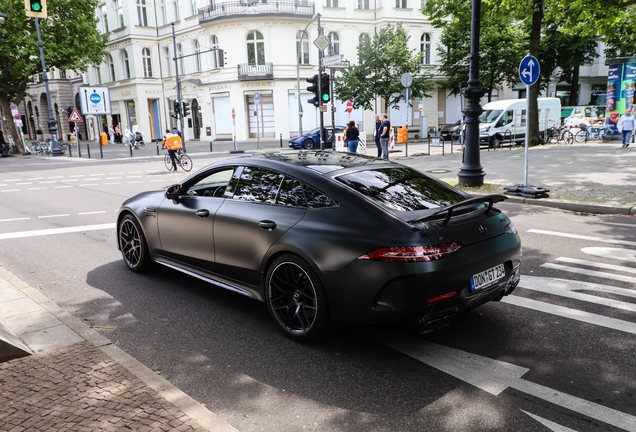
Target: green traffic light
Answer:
[[325, 97], [37, 7]]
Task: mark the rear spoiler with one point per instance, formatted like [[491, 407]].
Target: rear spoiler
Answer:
[[491, 199]]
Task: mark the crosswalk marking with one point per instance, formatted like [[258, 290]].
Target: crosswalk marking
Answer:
[[613, 253], [555, 427], [597, 264], [604, 275], [582, 237]]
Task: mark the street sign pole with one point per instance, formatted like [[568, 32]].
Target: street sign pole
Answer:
[[320, 69], [529, 73], [257, 102], [75, 128], [176, 71]]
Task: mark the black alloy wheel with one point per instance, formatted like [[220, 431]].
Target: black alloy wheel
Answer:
[[133, 244], [308, 144], [295, 298]]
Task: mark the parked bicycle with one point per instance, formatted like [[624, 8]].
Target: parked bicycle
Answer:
[[603, 133], [182, 159], [556, 135], [46, 147]]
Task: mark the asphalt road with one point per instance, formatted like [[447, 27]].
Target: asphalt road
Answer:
[[556, 355]]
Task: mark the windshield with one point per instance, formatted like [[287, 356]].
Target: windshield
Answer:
[[489, 116], [402, 189], [313, 131]]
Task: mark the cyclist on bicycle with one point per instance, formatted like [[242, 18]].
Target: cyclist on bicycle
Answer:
[[173, 142]]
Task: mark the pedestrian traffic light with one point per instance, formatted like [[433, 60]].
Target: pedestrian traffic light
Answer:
[[177, 109], [315, 101], [35, 8], [186, 107], [324, 89], [69, 110]]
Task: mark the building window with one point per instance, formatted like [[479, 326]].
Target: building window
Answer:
[[180, 60], [197, 57], [111, 67], [401, 4], [141, 13], [193, 7], [162, 12], [216, 55], [335, 43], [125, 64], [363, 37], [363, 4], [175, 9], [255, 48], [166, 53], [104, 19], [147, 61], [62, 74], [98, 74], [302, 47], [425, 47], [120, 13], [332, 3]]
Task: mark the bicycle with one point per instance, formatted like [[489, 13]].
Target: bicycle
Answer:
[[556, 134], [182, 159], [137, 144], [603, 133]]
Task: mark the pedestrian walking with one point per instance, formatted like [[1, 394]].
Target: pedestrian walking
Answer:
[[117, 134], [376, 134], [111, 135], [385, 136], [626, 125], [352, 137], [128, 135]]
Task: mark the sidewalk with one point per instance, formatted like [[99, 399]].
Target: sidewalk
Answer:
[[76, 380]]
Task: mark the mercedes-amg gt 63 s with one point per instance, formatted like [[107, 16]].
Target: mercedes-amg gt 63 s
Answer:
[[323, 236]]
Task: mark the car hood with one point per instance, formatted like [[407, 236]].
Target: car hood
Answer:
[[297, 138]]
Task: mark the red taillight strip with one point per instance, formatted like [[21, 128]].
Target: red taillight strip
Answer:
[[442, 297], [412, 253]]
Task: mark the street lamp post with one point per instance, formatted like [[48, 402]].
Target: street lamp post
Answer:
[[471, 172], [300, 108]]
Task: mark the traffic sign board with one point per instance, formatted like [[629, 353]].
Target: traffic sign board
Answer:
[[233, 113], [529, 70], [95, 100], [406, 79], [349, 106], [17, 117], [75, 117], [331, 60], [321, 42], [13, 107]]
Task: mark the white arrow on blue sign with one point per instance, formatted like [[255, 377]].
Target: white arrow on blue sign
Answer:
[[529, 70]]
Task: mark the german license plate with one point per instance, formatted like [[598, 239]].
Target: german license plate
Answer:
[[487, 277]]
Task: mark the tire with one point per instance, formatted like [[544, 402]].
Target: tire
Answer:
[[141, 145], [581, 136], [168, 162], [295, 299], [553, 137], [607, 135], [185, 162], [567, 137], [308, 144], [132, 244], [497, 142]]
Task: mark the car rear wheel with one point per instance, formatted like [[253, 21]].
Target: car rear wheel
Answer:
[[133, 244], [497, 142], [295, 298], [308, 144]]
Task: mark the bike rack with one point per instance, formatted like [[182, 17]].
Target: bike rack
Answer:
[[508, 133]]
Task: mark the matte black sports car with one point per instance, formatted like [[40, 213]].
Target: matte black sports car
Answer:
[[321, 236]]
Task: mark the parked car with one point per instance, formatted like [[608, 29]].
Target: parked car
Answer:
[[452, 131], [323, 236], [311, 139]]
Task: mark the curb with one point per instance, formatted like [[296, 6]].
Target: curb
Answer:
[[178, 398]]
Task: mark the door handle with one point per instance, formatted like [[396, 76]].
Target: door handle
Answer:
[[267, 225], [203, 213]]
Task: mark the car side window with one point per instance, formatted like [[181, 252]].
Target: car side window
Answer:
[[507, 118], [291, 194], [258, 185], [211, 185], [317, 199]]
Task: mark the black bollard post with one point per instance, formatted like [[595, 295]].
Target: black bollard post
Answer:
[[281, 140], [211, 146], [157, 145], [101, 152], [130, 147], [88, 149]]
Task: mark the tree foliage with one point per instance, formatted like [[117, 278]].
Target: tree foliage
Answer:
[[70, 41], [381, 62], [501, 45]]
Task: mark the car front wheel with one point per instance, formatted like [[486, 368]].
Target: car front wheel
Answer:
[[295, 298], [132, 244], [308, 144]]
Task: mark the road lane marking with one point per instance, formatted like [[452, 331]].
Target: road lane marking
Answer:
[[20, 184], [70, 180], [47, 182], [89, 184], [12, 180], [590, 272], [495, 376], [52, 216], [608, 223], [96, 174], [119, 173], [112, 178], [77, 175], [11, 190], [52, 231], [15, 219], [582, 237], [137, 181], [613, 253], [56, 177], [38, 188], [577, 315], [597, 264], [95, 212], [555, 427], [60, 187], [35, 178], [113, 183]]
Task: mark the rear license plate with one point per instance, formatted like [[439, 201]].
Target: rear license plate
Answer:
[[487, 277]]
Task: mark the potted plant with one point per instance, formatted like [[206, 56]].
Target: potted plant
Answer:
[[38, 132]]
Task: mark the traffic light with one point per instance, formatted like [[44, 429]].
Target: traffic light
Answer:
[[315, 101], [222, 56], [35, 8], [177, 109], [186, 107], [324, 89], [69, 110]]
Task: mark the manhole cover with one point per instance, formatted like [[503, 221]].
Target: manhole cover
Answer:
[[439, 171]]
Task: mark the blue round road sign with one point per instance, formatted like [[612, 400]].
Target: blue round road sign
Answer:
[[529, 70], [95, 98]]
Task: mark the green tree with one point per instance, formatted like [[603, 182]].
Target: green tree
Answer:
[[381, 62], [501, 45], [70, 38], [622, 41]]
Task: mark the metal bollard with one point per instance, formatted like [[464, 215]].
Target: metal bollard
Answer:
[[281, 140], [157, 145], [211, 146], [130, 148], [101, 151], [88, 149]]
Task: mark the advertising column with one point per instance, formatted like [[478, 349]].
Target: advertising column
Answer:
[[620, 88]]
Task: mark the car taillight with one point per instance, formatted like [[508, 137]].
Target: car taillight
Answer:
[[412, 253], [510, 229]]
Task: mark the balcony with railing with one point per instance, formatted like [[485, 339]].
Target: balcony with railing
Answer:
[[239, 8], [247, 72]]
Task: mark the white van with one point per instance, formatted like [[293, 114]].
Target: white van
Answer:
[[505, 120]]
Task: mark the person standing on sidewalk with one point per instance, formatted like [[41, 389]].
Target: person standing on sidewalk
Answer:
[[385, 136], [376, 135], [352, 136], [111, 135], [128, 136], [626, 125]]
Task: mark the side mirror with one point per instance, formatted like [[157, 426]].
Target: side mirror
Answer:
[[172, 193], [500, 123]]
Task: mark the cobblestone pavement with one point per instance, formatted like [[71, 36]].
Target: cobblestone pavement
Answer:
[[79, 388]]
